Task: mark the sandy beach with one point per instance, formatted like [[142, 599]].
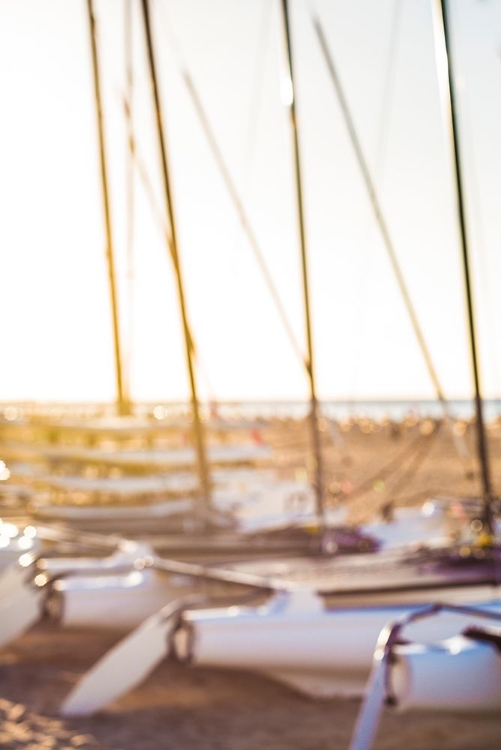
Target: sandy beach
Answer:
[[249, 201], [196, 709], [367, 465]]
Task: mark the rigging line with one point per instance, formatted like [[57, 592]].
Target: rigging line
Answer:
[[129, 181], [300, 218], [445, 68], [382, 225], [364, 266], [257, 91], [388, 98], [158, 214], [376, 207], [415, 462], [388, 468], [243, 216], [235, 197], [385, 114], [143, 174], [122, 400], [150, 193], [406, 500], [477, 228], [255, 101], [198, 429]]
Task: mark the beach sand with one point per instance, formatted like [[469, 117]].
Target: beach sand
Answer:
[[201, 709]]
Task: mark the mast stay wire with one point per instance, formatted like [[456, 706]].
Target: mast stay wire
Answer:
[[414, 453], [255, 99], [478, 234], [415, 462], [255, 106], [234, 194], [381, 148], [159, 214], [149, 189], [159, 217], [122, 397], [121, 94], [459, 443], [239, 205], [129, 185], [163, 226], [388, 98]]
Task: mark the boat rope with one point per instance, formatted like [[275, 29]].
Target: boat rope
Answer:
[[368, 484], [158, 213], [159, 217], [316, 448], [381, 150], [256, 93], [122, 397], [486, 280], [416, 461], [245, 222], [234, 195], [388, 97], [444, 53], [198, 429], [255, 105], [357, 147], [129, 186]]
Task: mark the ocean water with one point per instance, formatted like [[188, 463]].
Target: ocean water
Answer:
[[342, 409], [334, 409], [373, 409]]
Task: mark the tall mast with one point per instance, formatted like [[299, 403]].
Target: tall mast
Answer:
[[172, 241], [123, 403], [310, 365], [445, 67]]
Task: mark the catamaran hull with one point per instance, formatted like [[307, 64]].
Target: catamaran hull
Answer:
[[294, 639], [115, 601], [458, 674]]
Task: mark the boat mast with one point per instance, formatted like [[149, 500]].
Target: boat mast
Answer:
[[123, 401], [445, 66], [310, 365], [129, 183], [172, 242]]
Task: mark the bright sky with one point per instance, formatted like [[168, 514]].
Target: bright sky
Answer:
[[54, 305]]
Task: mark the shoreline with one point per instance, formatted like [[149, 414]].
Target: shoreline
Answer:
[[178, 708]]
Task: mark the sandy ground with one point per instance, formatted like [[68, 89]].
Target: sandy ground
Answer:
[[193, 709], [178, 707]]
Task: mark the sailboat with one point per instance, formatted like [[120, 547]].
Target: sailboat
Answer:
[[459, 673], [462, 672], [245, 541], [104, 516], [313, 625], [100, 502], [316, 627]]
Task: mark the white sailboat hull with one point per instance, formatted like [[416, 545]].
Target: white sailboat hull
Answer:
[[294, 639], [457, 674], [114, 601], [14, 544]]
